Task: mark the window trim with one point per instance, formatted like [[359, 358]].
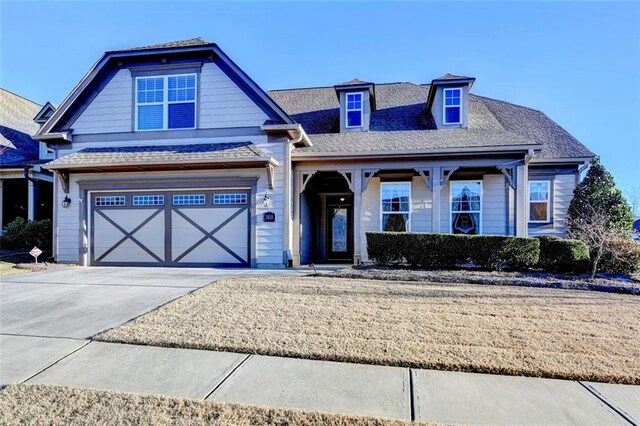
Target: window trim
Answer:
[[347, 110], [549, 192], [409, 212], [165, 103], [445, 106], [480, 212]]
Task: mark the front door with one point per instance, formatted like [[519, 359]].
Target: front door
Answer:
[[339, 228]]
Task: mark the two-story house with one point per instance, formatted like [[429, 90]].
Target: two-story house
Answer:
[[170, 155]]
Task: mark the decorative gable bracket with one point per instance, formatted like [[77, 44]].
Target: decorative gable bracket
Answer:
[[367, 174], [63, 178], [426, 175], [348, 176], [509, 173]]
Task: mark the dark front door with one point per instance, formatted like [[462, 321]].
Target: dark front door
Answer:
[[339, 228]]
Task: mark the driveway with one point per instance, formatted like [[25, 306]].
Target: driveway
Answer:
[[45, 316]]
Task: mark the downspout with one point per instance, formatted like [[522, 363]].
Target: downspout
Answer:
[[288, 197]]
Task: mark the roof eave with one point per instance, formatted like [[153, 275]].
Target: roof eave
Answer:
[[412, 153]]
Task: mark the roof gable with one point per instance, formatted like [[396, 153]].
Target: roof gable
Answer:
[[184, 51]]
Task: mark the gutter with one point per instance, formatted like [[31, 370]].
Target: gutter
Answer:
[[51, 166], [66, 136], [294, 131], [287, 241]]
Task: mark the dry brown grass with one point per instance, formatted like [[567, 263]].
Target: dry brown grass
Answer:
[[58, 405], [508, 330]]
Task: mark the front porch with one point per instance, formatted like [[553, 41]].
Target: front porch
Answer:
[[336, 204]]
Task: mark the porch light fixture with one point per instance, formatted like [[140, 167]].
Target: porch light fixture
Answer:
[[66, 202], [266, 201]]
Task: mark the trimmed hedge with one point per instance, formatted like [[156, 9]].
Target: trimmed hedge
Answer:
[[21, 233], [445, 251], [627, 260], [563, 256]]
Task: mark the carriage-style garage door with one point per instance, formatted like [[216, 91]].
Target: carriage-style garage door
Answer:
[[170, 228]]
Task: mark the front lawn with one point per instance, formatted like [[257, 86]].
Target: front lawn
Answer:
[[58, 405], [7, 268], [507, 330]]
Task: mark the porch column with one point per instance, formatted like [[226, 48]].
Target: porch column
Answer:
[[357, 217], [436, 190], [1, 205], [295, 246], [31, 200], [522, 196]]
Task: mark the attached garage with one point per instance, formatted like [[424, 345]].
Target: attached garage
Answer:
[[170, 228]]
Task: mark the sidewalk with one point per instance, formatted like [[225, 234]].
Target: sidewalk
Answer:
[[392, 392]]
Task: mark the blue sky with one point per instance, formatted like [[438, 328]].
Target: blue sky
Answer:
[[579, 62]]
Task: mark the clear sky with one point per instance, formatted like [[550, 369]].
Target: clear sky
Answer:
[[579, 62]]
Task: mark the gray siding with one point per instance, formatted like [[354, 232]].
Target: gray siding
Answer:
[[438, 112], [421, 205], [494, 205], [221, 104], [562, 193]]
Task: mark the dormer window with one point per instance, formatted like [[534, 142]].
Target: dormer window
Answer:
[[166, 102], [452, 106], [354, 109]]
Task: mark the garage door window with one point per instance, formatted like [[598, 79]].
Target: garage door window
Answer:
[[110, 200], [148, 200], [188, 200], [229, 198]]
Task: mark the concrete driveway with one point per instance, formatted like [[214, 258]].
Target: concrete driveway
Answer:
[[45, 316]]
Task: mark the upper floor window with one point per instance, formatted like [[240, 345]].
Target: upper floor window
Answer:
[[166, 102], [354, 109], [539, 201], [466, 207], [452, 106], [395, 198]]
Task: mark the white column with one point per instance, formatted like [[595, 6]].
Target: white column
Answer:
[[31, 203], [357, 216], [295, 249], [1, 204], [522, 198], [436, 190]]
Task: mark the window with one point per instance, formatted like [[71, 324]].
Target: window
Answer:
[[167, 102], [452, 106], [396, 200], [354, 109], [229, 198], [110, 200], [539, 201], [188, 200], [466, 207], [148, 200]]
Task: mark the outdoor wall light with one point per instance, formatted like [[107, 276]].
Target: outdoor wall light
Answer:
[[66, 201], [266, 201]]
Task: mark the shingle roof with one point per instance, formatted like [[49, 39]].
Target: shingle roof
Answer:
[[17, 147], [163, 154], [401, 123], [198, 41], [448, 76], [354, 82]]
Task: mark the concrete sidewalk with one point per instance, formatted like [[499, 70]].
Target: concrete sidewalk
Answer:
[[392, 392]]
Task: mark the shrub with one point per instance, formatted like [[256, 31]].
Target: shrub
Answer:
[[445, 251], [21, 233], [622, 256], [563, 256]]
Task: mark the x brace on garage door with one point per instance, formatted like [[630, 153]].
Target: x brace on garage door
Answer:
[[200, 227]]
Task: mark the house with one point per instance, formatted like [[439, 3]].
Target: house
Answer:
[[172, 155], [26, 190]]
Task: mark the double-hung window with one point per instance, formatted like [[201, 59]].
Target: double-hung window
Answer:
[[166, 102], [466, 207], [396, 206], [354, 109], [452, 106], [539, 201]]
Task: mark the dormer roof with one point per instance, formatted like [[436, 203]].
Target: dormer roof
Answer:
[[445, 80], [45, 113], [356, 84]]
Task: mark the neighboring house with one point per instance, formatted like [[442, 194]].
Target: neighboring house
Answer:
[[171, 155], [25, 189], [635, 229]]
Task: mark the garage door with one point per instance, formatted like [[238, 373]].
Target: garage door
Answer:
[[179, 228]]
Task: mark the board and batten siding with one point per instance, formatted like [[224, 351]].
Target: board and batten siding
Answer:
[[268, 238], [220, 104], [562, 192]]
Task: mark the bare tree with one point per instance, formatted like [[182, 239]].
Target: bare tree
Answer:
[[594, 229], [633, 198]]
